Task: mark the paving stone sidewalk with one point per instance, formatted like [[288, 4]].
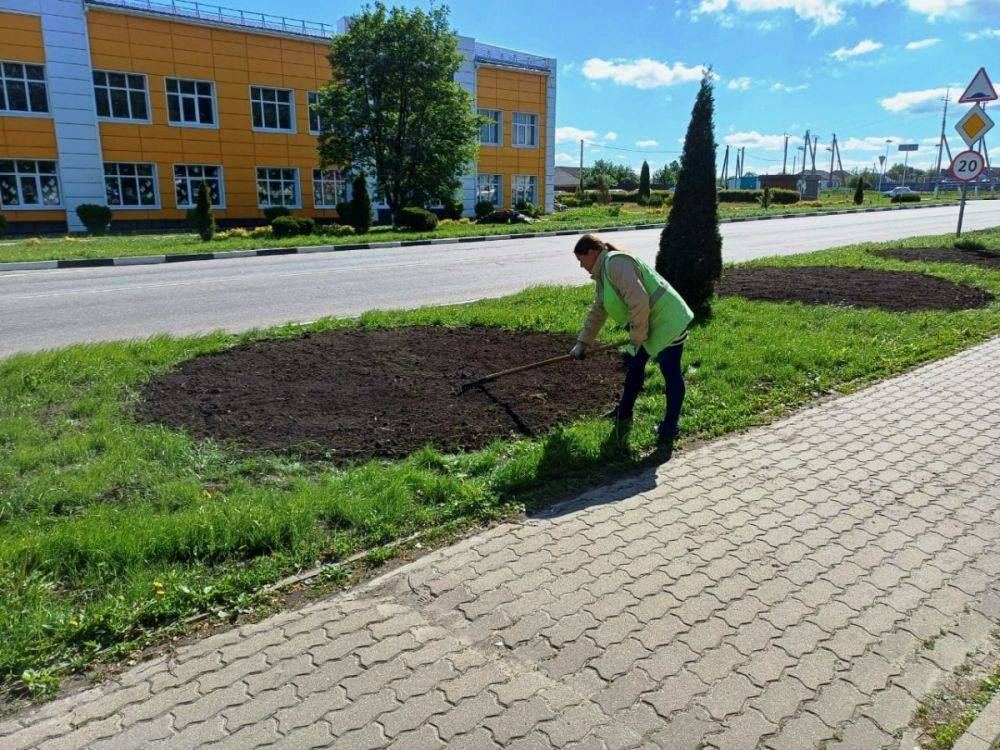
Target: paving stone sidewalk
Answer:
[[801, 584]]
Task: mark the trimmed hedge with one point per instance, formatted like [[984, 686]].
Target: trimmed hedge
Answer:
[[291, 226], [95, 217], [906, 198], [484, 208], [617, 196], [418, 219], [754, 196], [273, 212]]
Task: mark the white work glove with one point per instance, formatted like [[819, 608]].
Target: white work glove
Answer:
[[578, 350]]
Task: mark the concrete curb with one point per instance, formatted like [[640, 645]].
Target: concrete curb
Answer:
[[984, 733], [144, 260]]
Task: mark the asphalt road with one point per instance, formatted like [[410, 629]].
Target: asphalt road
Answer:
[[44, 309]]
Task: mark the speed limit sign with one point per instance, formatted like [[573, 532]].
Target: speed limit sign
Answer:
[[967, 166]]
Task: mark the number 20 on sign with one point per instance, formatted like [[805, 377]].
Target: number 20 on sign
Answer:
[[967, 166]]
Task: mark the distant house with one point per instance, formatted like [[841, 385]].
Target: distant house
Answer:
[[566, 179]]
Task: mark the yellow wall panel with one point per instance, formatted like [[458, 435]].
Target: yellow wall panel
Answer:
[[24, 33]]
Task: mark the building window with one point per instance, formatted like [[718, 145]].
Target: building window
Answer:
[[121, 96], [491, 133], [272, 109], [28, 184], [489, 187], [315, 126], [525, 130], [190, 102], [188, 178], [277, 186], [22, 88], [128, 185], [329, 188], [525, 189]]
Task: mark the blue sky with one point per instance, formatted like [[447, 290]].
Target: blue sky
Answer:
[[866, 70]]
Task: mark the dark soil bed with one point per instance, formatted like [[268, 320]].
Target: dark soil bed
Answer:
[[982, 258], [355, 394], [899, 291]]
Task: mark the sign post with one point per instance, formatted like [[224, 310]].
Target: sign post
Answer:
[[972, 126]]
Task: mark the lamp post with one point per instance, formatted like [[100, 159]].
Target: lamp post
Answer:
[[884, 159]]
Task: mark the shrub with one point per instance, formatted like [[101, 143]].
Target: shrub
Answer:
[[259, 232], [859, 192], [739, 196], [906, 198], [284, 226], [273, 212], [418, 219], [656, 201], [785, 197], [970, 245], [603, 189], [614, 210], [453, 207], [95, 217], [344, 214], [485, 208], [528, 208], [204, 219], [644, 182], [3, 225], [360, 215], [765, 198], [341, 230]]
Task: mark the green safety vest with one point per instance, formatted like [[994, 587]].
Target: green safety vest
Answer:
[[669, 315]]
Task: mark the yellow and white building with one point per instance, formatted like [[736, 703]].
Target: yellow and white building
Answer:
[[133, 103]]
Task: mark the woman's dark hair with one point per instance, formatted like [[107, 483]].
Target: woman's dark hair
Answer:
[[592, 242]]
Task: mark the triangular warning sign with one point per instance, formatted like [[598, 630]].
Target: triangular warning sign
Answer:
[[980, 90]]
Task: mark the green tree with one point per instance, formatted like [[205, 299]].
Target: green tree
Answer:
[[667, 174], [360, 211], [644, 181], [619, 175], [204, 219], [690, 255], [859, 192], [393, 107]]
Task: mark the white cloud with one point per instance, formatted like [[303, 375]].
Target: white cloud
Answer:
[[566, 159], [936, 8], [647, 143], [925, 100], [871, 142], [611, 136], [984, 34], [923, 43], [821, 12], [788, 88], [568, 133], [739, 84], [643, 73], [861, 48], [753, 139]]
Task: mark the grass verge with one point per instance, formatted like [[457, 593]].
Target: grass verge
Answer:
[[121, 246], [111, 530]]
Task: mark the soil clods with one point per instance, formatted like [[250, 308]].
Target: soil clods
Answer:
[[898, 291], [355, 394], [965, 256]]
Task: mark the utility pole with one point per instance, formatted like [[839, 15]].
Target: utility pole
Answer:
[[942, 143], [833, 150], [725, 168], [784, 159]]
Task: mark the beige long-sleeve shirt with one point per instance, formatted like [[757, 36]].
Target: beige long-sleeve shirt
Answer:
[[624, 277]]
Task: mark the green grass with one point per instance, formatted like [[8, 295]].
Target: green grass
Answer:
[[66, 248], [110, 529]]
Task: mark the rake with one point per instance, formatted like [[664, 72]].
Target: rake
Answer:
[[534, 365]]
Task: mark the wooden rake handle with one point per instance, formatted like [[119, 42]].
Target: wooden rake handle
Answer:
[[534, 365]]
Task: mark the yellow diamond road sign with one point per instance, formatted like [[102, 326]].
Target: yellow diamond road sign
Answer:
[[974, 125]]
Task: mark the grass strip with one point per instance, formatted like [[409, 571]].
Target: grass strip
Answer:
[[111, 531]]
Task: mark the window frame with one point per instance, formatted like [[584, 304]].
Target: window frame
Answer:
[[513, 188], [298, 186], [148, 120], [194, 197], [182, 124], [499, 126], [156, 205], [5, 111], [514, 126], [499, 184], [41, 206], [291, 110], [310, 114], [343, 181]]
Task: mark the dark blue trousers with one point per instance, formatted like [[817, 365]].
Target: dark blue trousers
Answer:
[[635, 375]]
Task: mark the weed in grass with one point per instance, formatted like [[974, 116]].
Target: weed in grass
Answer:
[[112, 533]]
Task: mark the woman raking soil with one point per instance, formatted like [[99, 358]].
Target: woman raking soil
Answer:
[[637, 297]]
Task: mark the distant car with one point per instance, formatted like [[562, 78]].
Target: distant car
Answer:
[[902, 190]]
